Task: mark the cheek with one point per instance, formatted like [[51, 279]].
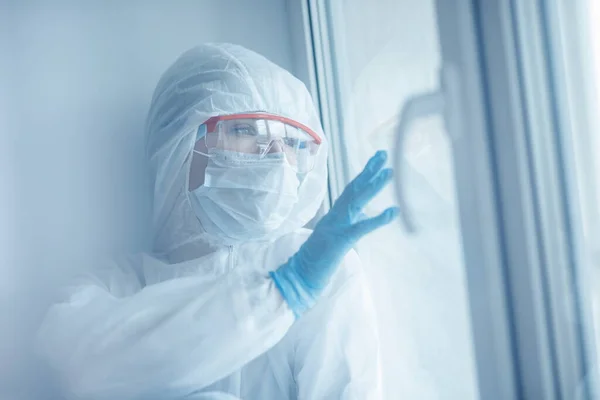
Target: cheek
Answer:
[[240, 145]]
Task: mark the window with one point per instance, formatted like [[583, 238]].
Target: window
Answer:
[[380, 56], [495, 294]]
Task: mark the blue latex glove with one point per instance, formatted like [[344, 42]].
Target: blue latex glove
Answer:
[[306, 274]]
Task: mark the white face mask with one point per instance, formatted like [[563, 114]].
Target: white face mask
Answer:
[[244, 197]]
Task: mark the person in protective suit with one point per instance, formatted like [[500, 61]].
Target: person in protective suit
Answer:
[[236, 298]]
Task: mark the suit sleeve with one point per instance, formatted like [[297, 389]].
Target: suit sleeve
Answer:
[[109, 338]]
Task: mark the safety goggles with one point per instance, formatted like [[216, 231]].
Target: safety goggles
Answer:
[[262, 134]]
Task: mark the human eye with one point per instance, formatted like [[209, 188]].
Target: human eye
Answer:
[[243, 129]]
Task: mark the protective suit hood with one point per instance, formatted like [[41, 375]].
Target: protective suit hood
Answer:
[[209, 80]]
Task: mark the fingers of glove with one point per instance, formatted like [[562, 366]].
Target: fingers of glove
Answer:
[[374, 165], [372, 168], [361, 217], [372, 188], [367, 226]]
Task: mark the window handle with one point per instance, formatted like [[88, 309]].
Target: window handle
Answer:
[[442, 101]]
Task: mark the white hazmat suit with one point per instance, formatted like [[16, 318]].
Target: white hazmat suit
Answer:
[[196, 317]]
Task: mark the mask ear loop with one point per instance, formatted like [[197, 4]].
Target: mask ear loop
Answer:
[[201, 153], [264, 151]]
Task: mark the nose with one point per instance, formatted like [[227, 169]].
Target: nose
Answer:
[[276, 147]]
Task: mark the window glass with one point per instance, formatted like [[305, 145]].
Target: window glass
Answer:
[[385, 52]]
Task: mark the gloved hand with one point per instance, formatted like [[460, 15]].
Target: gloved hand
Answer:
[[306, 274]]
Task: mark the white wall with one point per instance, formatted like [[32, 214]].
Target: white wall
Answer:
[[77, 78], [83, 77]]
